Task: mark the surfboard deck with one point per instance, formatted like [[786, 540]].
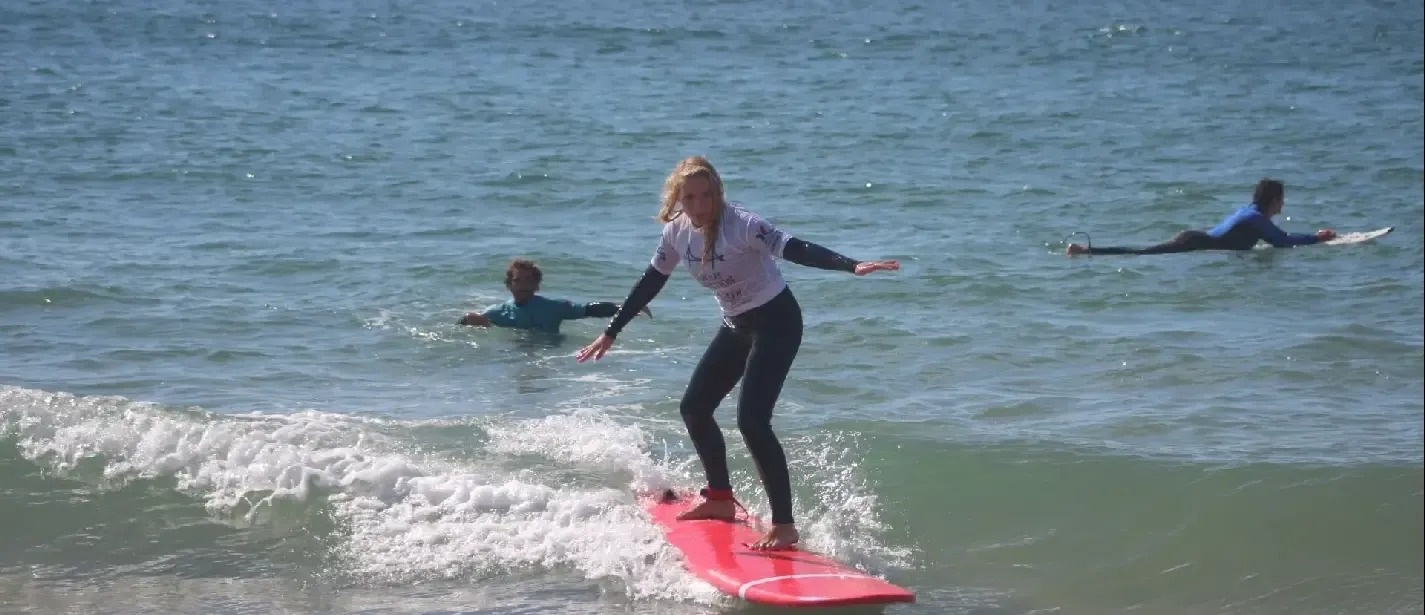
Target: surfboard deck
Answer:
[[1358, 237], [1343, 239], [716, 552]]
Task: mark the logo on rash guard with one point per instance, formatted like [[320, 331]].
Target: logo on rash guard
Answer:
[[762, 233], [715, 280], [693, 258], [662, 254]]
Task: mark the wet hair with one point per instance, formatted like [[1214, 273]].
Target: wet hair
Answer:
[[693, 166], [1268, 191], [526, 266]]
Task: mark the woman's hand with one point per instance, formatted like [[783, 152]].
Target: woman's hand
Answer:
[[596, 349], [869, 266], [1325, 234]]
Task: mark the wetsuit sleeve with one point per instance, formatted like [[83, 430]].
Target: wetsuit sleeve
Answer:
[[765, 237], [569, 310], [643, 291], [1272, 234], [808, 254], [498, 316], [599, 309]]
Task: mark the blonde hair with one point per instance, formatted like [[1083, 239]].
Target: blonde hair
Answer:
[[693, 166]]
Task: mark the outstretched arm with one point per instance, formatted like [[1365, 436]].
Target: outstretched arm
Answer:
[[605, 309], [491, 317], [475, 319], [1273, 234], [808, 254], [643, 292], [600, 309], [763, 235]]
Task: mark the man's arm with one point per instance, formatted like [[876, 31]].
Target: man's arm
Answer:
[[491, 317], [474, 319], [600, 309], [605, 309]]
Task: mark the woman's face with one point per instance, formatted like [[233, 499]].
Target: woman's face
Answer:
[[700, 199]]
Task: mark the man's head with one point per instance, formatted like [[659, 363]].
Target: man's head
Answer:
[[522, 279]]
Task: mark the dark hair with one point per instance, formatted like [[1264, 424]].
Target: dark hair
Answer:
[[527, 266], [1268, 191]]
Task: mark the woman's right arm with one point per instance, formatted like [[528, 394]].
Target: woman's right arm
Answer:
[[643, 292], [647, 287]]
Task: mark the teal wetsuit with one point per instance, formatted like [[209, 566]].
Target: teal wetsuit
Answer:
[[544, 314]]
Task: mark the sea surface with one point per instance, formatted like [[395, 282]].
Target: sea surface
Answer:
[[235, 238]]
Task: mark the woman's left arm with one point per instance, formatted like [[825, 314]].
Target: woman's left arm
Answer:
[[808, 254]]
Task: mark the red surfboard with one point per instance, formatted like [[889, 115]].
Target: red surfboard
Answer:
[[716, 552]]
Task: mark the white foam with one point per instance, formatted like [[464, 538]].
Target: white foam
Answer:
[[408, 518], [222, 458], [587, 438], [844, 524], [459, 527]]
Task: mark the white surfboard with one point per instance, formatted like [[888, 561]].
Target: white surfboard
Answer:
[[1343, 239], [1357, 237]]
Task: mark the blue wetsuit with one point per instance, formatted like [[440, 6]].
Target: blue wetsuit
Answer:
[[1246, 226], [1241, 230], [543, 314]]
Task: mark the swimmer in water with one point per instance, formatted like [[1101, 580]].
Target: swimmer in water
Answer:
[[527, 310], [1239, 231]]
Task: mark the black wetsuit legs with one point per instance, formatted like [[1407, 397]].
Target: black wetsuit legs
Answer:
[[1185, 241], [758, 348]]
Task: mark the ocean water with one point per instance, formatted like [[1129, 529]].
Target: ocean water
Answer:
[[234, 238]]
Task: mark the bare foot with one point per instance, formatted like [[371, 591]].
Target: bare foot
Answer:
[[721, 510], [781, 536], [1076, 249]]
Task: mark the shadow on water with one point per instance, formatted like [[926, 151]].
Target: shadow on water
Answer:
[[534, 349]]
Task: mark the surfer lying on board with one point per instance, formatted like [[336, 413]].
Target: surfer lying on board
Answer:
[[730, 251], [526, 310], [1239, 231]]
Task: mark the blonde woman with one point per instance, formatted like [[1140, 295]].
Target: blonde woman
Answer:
[[731, 251]]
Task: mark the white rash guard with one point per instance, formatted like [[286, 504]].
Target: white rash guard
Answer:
[[742, 272]]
